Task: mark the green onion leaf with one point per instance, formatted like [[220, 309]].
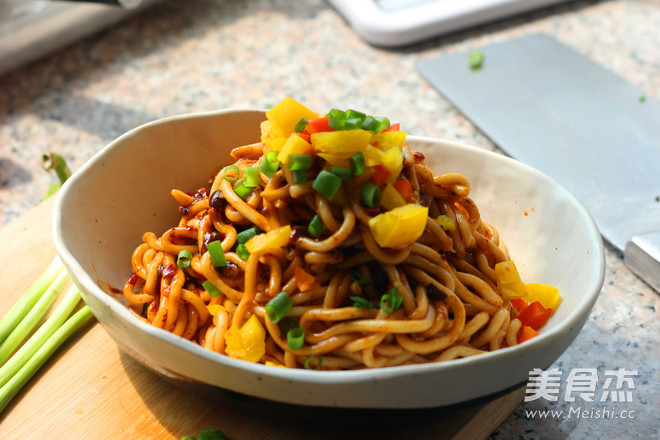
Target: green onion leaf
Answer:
[[300, 125], [391, 301], [327, 184], [357, 276], [251, 177], [357, 163], [211, 289], [337, 119], [241, 251], [287, 324], [297, 162], [270, 164], [319, 362], [231, 178], [244, 236], [242, 191], [370, 194], [342, 173], [354, 114], [300, 176], [353, 124], [362, 303], [476, 59], [278, 307], [217, 253], [211, 434], [295, 338], [183, 259], [315, 227]]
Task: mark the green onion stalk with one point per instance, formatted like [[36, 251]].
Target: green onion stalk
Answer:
[[20, 360]]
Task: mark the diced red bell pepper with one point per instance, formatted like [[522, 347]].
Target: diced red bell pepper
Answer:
[[404, 188], [535, 315], [526, 333], [381, 174], [394, 127], [318, 125], [518, 305], [304, 136]]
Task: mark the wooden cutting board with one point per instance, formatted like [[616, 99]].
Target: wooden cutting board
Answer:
[[90, 389]]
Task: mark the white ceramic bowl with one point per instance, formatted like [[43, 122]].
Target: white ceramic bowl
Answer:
[[102, 211]]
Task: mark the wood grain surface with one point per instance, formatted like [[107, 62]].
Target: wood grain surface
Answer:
[[90, 389]]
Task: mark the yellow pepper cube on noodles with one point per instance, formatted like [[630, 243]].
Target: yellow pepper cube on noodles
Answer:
[[508, 280], [389, 139], [286, 114], [248, 342], [399, 226], [390, 198], [272, 239], [547, 295], [343, 143], [293, 145]]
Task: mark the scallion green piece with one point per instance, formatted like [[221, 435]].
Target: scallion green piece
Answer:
[[337, 119], [231, 178], [300, 125], [211, 289], [244, 236], [241, 251], [251, 177], [357, 276], [319, 362], [354, 114], [297, 162], [353, 124], [55, 162], [370, 194], [217, 253], [299, 176], [391, 301], [270, 164], [285, 324], [315, 226], [295, 338], [327, 184], [362, 303], [476, 59], [211, 434], [357, 163], [278, 307], [241, 190], [183, 259], [342, 173]]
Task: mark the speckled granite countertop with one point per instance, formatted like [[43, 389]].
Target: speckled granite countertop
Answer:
[[202, 55]]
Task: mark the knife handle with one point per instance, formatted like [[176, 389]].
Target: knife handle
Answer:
[[642, 256]]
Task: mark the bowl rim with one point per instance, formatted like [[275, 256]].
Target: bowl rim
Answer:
[[575, 317]]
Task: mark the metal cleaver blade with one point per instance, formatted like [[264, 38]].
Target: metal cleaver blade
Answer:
[[554, 109]]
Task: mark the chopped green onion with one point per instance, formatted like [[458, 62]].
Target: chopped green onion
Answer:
[[244, 236], [242, 191], [231, 178], [353, 124], [357, 163], [315, 227], [285, 324], [337, 119], [300, 176], [55, 162], [354, 114], [297, 162], [384, 123], [217, 253], [391, 301], [251, 177], [376, 124], [342, 173], [183, 259], [270, 164], [362, 303], [242, 251], [476, 59], [357, 276], [211, 289], [370, 194], [278, 307], [327, 184], [300, 125], [295, 338], [211, 434], [319, 362]]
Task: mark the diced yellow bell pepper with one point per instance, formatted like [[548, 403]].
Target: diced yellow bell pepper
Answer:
[[293, 145], [547, 295], [446, 222], [508, 280], [391, 159], [342, 143], [335, 160], [399, 226], [286, 114], [272, 239], [247, 342], [214, 309], [389, 139], [390, 197]]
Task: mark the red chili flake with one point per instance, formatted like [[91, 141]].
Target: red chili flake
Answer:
[[133, 280], [169, 271]]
